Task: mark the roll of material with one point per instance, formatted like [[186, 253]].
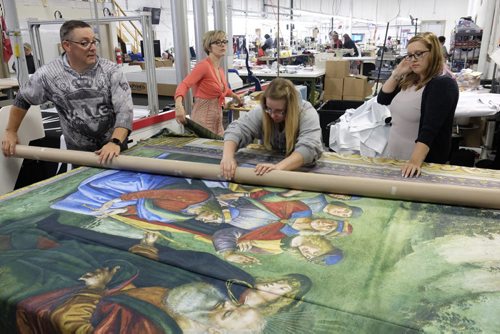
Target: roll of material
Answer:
[[389, 189]]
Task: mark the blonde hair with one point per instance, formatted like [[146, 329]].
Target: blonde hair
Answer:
[[318, 241], [282, 89], [435, 59], [210, 37]]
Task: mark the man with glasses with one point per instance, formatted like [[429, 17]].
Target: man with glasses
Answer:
[[91, 95]]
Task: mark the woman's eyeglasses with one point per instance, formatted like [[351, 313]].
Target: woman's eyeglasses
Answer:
[[219, 42], [415, 56], [275, 112], [86, 44]]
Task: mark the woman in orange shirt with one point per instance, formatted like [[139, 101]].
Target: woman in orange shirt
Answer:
[[210, 86]]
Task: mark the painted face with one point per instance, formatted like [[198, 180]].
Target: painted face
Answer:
[[234, 318], [149, 238], [418, 56], [99, 277], [309, 251], [340, 211], [324, 225], [209, 217], [277, 288], [340, 196], [81, 48], [276, 109]]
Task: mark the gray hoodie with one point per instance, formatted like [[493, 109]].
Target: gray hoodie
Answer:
[[249, 127]]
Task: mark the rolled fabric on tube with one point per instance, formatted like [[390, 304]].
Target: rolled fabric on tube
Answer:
[[389, 189]]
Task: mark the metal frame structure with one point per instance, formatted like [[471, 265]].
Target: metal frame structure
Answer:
[[11, 17], [144, 18]]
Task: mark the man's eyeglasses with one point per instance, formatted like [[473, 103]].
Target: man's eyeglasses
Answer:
[[275, 112], [219, 42], [416, 56], [86, 44]]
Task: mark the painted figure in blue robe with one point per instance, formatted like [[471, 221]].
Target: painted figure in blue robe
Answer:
[[152, 198]]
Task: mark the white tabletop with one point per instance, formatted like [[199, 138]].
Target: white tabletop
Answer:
[[477, 104], [8, 83], [267, 73], [139, 111], [131, 68], [168, 76], [363, 59], [164, 75]]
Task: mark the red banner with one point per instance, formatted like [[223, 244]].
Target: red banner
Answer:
[[7, 47]]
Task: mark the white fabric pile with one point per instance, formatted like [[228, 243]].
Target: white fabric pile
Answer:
[[361, 131]]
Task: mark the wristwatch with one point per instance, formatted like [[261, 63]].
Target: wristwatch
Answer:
[[116, 141]]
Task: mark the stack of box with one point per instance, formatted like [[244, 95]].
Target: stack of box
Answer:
[[340, 85], [335, 72], [356, 88]]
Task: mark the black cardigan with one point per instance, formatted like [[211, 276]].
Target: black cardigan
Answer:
[[439, 100]]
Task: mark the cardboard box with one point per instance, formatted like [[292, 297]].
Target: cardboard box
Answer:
[[356, 88], [142, 88], [138, 87], [158, 63], [333, 89], [166, 89], [473, 132], [337, 68]]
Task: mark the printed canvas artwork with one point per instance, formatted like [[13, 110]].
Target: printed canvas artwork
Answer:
[[99, 250]]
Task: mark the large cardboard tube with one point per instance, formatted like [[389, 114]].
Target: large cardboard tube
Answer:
[[390, 189]]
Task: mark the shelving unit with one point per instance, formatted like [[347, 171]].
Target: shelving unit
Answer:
[[465, 45]]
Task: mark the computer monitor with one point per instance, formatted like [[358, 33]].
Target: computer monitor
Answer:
[[156, 47], [192, 52], [358, 38], [155, 14]]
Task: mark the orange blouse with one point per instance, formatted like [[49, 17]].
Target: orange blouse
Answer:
[[204, 80]]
